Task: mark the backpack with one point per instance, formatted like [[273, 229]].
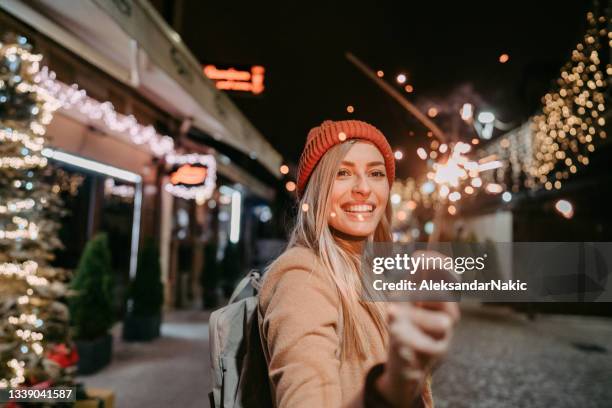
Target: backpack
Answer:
[[239, 370]]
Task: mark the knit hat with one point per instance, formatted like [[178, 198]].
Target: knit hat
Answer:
[[321, 138]]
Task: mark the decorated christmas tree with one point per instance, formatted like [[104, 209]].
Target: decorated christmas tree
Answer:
[[34, 343]]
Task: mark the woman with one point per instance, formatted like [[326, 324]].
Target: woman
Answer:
[[323, 346]]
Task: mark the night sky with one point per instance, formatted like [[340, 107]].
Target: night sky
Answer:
[[449, 50]]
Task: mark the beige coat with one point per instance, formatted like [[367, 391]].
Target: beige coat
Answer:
[[299, 313]]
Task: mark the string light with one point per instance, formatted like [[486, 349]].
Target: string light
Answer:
[[205, 187], [558, 142], [75, 99], [16, 206]]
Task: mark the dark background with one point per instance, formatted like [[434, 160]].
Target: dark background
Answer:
[[449, 51]]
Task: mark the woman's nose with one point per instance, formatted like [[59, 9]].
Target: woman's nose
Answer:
[[361, 186]]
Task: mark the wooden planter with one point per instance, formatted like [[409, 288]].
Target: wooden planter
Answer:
[[94, 354]]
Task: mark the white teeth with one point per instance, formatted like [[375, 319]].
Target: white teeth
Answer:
[[359, 208]]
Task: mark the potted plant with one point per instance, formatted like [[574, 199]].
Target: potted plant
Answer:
[[91, 306], [145, 297]]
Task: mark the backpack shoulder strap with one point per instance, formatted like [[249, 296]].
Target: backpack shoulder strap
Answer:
[[253, 278]]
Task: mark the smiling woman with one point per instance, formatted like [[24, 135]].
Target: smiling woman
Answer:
[[360, 191], [324, 346]]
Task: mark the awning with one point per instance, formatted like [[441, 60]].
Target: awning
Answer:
[[131, 42]]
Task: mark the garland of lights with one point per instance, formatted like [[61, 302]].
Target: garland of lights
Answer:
[[571, 123], [201, 192], [558, 142], [73, 98]]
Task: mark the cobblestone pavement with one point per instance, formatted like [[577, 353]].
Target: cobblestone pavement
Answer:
[[500, 359], [172, 371]]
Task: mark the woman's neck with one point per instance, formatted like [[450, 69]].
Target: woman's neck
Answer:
[[351, 243]]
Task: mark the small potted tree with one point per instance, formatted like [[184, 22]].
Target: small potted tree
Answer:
[[91, 306], [145, 297]]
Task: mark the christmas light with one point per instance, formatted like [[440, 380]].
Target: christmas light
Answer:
[[557, 142], [22, 128], [565, 208], [205, 186], [73, 98]]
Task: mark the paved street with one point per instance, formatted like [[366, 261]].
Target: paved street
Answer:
[[172, 371], [499, 359]]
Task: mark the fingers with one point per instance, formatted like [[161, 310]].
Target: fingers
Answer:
[[406, 331], [435, 323], [450, 308]]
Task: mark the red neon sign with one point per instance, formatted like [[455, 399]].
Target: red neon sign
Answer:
[[237, 80]]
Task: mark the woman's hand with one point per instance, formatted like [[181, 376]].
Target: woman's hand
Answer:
[[419, 336]]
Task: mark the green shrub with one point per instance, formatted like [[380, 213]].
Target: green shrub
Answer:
[[147, 290], [91, 308]]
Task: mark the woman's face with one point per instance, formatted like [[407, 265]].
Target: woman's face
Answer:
[[360, 191]]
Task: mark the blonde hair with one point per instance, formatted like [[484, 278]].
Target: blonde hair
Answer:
[[312, 231]]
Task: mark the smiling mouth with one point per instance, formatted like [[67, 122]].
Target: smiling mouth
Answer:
[[359, 208]]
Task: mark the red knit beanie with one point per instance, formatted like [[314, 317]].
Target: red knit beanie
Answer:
[[321, 138]]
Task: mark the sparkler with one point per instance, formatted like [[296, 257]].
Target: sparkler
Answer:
[[448, 182]]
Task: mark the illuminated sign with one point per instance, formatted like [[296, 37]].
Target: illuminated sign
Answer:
[[237, 80], [191, 176]]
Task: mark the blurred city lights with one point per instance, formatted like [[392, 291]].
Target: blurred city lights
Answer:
[[467, 111], [350, 109], [235, 217], [290, 186], [422, 153], [284, 169], [428, 187], [494, 188], [432, 112], [565, 208], [491, 165], [486, 117], [409, 88], [380, 73], [401, 78], [504, 58], [429, 227], [396, 198], [454, 196], [398, 155], [507, 196]]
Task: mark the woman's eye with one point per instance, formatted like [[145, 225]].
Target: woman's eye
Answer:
[[378, 173], [343, 173]]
